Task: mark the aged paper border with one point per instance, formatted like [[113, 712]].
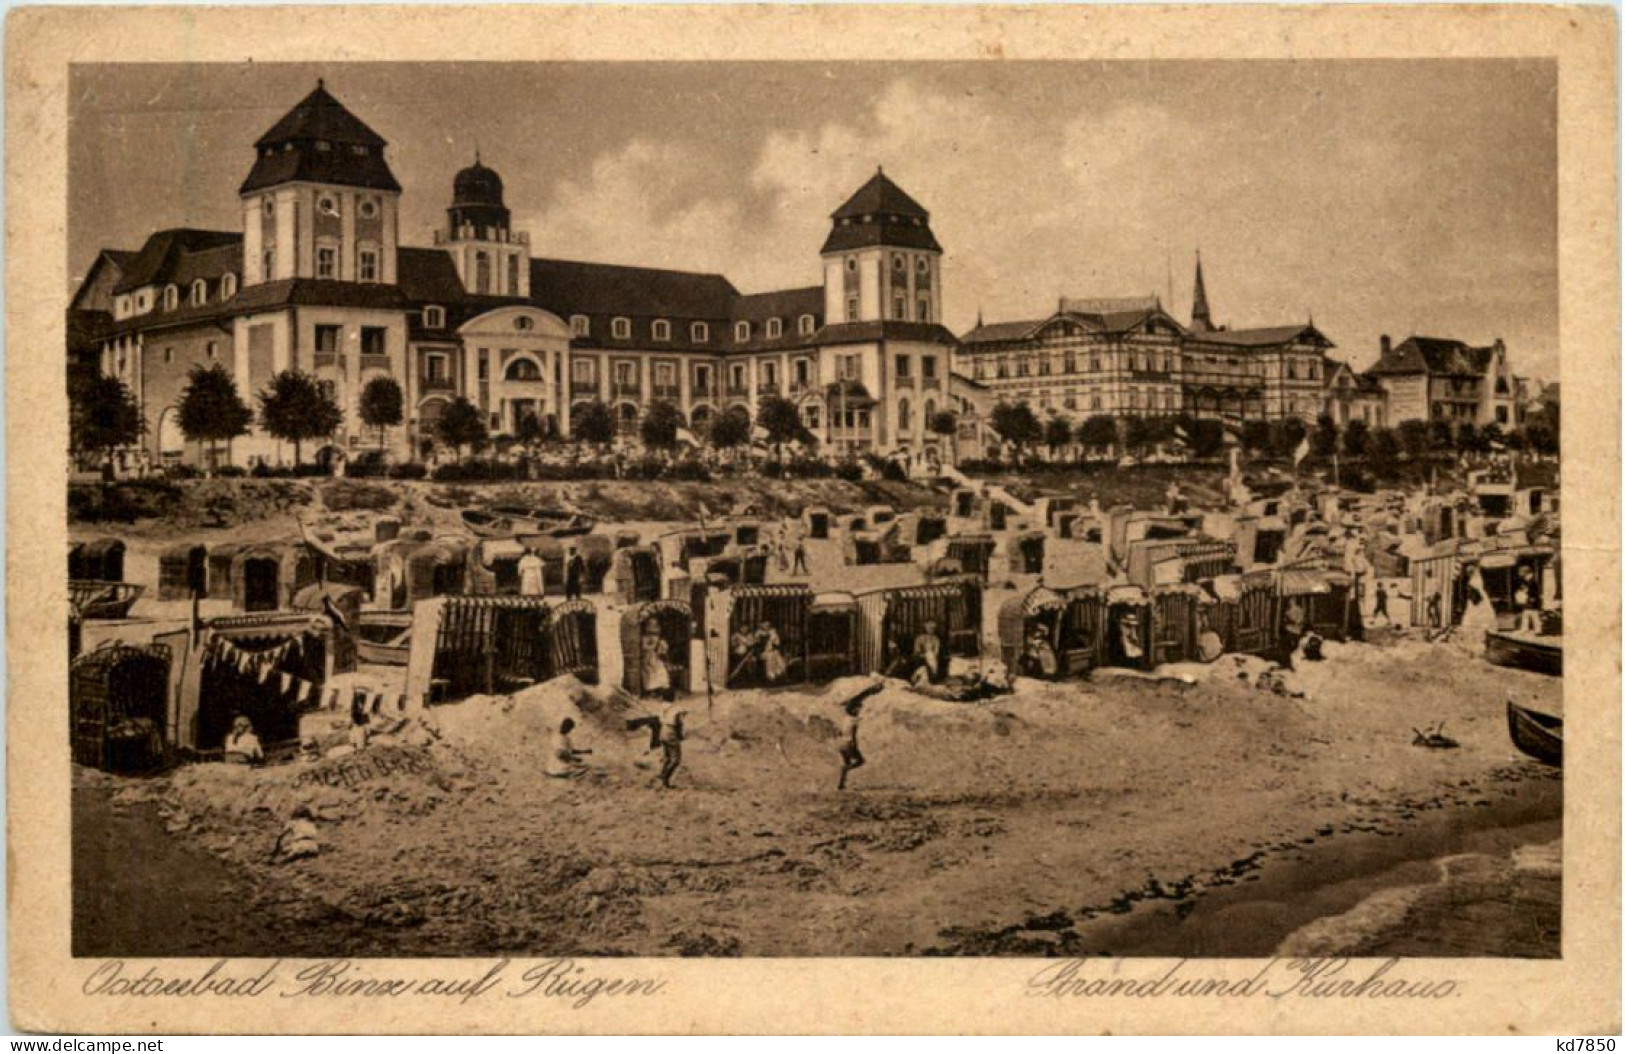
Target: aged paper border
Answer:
[[1578, 994]]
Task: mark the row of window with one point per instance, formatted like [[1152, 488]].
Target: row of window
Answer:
[[367, 263], [198, 295], [698, 332], [327, 204]]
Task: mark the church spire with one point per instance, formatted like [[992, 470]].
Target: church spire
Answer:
[[1201, 318]]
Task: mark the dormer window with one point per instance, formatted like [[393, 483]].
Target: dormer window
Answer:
[[775, 328], [804, 325], [741, 331], [580, 325], [662, 329], [434, 317], [228, 287], [172, 298], [359, 149], [323, 146], [200, 293], [699, 332], [621, 328]]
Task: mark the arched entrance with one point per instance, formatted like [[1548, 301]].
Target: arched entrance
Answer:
[[626, 418]]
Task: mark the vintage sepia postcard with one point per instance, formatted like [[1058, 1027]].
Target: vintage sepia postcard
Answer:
[[784, 519]]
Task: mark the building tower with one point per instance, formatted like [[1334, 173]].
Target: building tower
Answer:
[[1201, 318], [491, 258], [881, 259], [320, 201]]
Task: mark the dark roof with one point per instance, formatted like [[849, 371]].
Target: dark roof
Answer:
[[353, 155], [879, 196], [1265, 337], [869, 332], [284, 292], [1434, 355], [853, 234], [880, 213], [162, 254], [568, 287], [998, 332], [320, 116], [787, 305], [428, 276], [476, 185]]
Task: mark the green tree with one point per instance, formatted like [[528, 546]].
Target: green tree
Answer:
[[1097, 432], [781, 420], [102, 416], [1016, 424], [462, 424], [1541, 438], [382, 405], [1491, 436], [1468, 438], [1356, 437], [1255, 436], [1057, 434], [1441, 437], [1324, 440], [528, 430], [1382, 452], [730, 428], [659, 426], [945, 423], [294, 408], [1206, 437], [1285, 435], [210, 409], [1413, 437], [593, 422]]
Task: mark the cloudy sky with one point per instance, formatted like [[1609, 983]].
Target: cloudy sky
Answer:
[[1378, 197]]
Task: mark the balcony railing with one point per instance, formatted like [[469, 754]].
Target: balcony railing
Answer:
[[666, 391], [439, 384], [627, 391], [767, 388], [905, 380], [329, 359], [375, 362], [738, 391], [583, 387]]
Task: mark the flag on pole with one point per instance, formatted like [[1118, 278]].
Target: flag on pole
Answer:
[[1302, 452], [758, 433], [685, 436]]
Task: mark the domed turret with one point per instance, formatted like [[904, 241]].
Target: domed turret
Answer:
[[477, 185], [476, 201]]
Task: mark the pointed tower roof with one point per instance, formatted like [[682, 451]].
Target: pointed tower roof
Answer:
[[1201, 317], [880, 213], [319, 141]]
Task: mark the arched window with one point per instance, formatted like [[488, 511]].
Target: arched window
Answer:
[[662, 329], [775, 328], [904, 421], [172, 298], [523, 370], [621, 329], [200, 292], [741, 331], [805, 325], [228, 286]]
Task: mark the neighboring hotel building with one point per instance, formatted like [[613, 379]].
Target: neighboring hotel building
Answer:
[[317, 279], [1432, 379], [1129, 357]]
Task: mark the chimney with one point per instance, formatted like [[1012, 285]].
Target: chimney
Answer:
[[1387, 345]]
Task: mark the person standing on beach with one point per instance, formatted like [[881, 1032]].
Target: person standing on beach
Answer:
[[800, 565], [575, 569], [671, 744], [1381, 610], [530, 574]]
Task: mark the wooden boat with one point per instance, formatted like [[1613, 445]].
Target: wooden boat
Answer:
[[495, 525], [1525, 652], [103, 600], [384, 638], [1536, 734]]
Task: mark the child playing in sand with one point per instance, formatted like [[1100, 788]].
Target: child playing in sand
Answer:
[[564, 760], [851, 756]]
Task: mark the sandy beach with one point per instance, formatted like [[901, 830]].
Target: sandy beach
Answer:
[[1126, 815]]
